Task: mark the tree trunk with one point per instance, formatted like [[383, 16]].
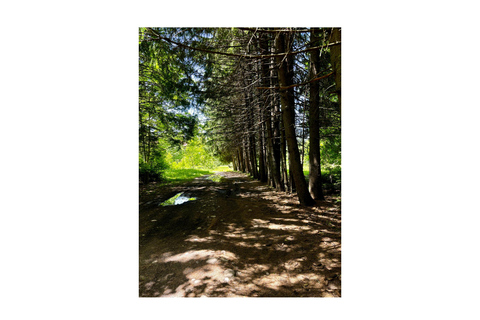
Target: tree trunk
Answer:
[[272, 157], [246, 156], [283, 158], [253, 149], [261, 151], [336, 57], [315, 176], [285, 76], [241, 162], [234, 161], [291, 179]]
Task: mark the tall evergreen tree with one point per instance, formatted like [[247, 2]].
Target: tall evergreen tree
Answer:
[[285, 75]]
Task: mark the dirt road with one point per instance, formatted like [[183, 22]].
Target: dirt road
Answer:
[[238, 238]]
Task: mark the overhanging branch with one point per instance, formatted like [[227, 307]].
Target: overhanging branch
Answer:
[[248, 56], [295, 85]]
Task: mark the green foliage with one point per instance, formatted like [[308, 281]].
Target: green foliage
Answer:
[[154, 168], [332, 177], [195, 154], [330, 151], [165, 94]]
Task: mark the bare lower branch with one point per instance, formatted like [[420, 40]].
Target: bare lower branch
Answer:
[[296, 85]]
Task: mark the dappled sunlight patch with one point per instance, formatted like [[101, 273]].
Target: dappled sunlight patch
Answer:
[[318, 216], [214, 232], [258, 245], [290, 238], [262, 188], [199, 255], [239, 235], [250, 270], [234, 227], [260, 223], [195, 238], [329, 246], [207, 280], [276, 281], [273, 281], [294, 264], [328, 262], [326, 231], [287, 220], [286, 247], [239, 246], [308, 280], [246, 245], [328, 243], [293, 227], [232, 235], [209, 272]]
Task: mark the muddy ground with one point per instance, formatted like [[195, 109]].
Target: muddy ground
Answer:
[[239, 238]]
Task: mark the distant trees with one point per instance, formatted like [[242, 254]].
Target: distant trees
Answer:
[[258, 90]]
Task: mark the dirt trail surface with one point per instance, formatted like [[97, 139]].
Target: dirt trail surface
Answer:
[[239, 238]]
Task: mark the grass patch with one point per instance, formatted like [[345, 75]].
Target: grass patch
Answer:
[[222, 169], [216, 178], [179, 175]]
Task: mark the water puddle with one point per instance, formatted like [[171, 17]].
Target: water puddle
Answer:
[[179, 198]]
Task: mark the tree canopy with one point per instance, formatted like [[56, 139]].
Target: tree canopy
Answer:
[[266, 100]]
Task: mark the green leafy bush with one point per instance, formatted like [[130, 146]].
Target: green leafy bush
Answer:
[[154, 169], [195, 154], [332, 177]]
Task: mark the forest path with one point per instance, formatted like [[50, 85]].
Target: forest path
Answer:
[[239, 238]]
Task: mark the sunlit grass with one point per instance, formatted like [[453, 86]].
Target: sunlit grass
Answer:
[[180, 175], [222, 169], [216, 178]]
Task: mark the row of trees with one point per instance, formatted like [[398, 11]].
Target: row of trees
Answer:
[[265, 92]]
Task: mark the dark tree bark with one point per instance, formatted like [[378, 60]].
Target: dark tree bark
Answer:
[[315, 176], [278, 150], [283, 158], [262, 171], [291, 179], [252, 143], [335, 55], [241, 163], [272, 159], [245, 157], [285, 76]]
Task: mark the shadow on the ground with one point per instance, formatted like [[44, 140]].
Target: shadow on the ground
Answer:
[[251, 241]]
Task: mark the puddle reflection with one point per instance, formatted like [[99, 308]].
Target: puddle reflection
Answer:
[[179, 198]]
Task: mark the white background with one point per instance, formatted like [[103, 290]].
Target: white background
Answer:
[[68, 128]]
